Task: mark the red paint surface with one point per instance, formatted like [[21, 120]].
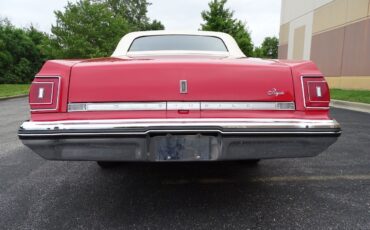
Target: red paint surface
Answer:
[[118, 80], [320, 115], [159, 80]]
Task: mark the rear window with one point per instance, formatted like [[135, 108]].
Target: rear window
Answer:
[[178, 42]]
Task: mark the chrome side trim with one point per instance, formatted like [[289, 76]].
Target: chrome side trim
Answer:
[[138, 106]]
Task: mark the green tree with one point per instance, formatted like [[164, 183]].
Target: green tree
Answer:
[[257, 52], [135, 12], [21, 53], [41, 41], [92, 28], [268, 49], [219, 18], [86, 30]]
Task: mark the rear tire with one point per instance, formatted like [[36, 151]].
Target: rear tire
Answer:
[[107, 164]]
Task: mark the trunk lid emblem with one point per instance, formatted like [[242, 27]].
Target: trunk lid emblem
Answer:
[[275, 92], [183, 86]]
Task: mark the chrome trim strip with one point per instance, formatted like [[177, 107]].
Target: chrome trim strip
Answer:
[[149, 106], [170, 131], [183, 105], [125, 106], [138, 106], [247, 106], [215, 125]]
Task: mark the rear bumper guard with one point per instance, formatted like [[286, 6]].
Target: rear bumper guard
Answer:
[[179, 139]]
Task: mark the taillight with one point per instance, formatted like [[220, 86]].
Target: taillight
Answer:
[[44, 94], [316, 93]]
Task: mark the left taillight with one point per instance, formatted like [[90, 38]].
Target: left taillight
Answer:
[[44, 94], [316, 93]]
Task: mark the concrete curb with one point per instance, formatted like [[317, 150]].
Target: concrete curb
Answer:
[[355, 106], [13, 97]]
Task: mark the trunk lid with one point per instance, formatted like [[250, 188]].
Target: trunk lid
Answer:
[[208, 79]]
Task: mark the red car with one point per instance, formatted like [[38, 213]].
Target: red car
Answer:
[[175, 96]]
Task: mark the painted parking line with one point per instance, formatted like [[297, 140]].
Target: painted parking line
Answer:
[[268, 179]]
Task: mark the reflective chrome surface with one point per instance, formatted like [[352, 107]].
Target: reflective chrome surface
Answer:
[[138, 106], [275, 92], [183, 86], [248, 106], [144, 126], [183, 106], [219, 139], [79, 107]]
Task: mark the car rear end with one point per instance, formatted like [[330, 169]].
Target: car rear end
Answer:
[[178, 109]]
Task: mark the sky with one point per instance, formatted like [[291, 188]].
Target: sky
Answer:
[[262, 16]]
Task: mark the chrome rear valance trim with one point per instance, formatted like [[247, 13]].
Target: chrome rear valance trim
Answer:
[[140, 106], [183, 105], [247, 106], [162, 106]]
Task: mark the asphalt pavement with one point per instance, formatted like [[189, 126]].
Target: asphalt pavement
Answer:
[[331, 191]]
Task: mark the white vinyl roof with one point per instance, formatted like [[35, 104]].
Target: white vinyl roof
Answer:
[[125, 43]]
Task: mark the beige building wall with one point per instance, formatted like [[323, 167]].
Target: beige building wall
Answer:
[[299, 39], [335, 34]]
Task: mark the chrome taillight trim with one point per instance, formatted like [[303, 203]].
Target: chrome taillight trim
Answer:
[[170, 106], [57, 96]]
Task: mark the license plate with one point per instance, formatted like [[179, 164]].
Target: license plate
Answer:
[[182, 147]]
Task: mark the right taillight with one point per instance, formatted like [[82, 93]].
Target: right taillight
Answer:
[[316, 93], [44, 94]]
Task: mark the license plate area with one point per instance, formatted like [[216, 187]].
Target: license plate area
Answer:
[[183, 147]]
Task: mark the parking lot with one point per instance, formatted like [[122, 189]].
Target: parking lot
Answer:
[[328, 191]]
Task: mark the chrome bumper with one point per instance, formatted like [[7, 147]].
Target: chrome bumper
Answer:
[[196, 139]]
